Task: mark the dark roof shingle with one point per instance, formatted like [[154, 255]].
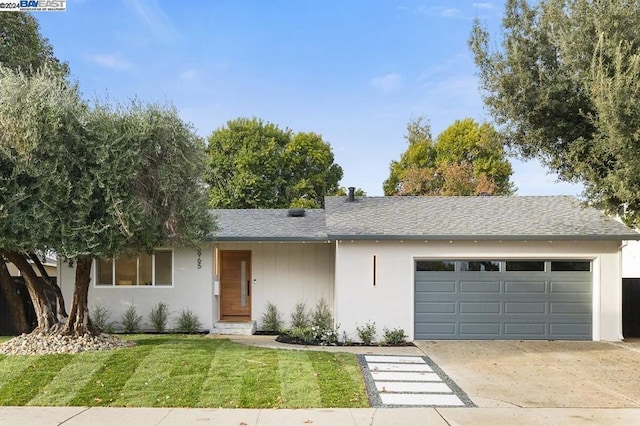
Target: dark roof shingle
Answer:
[[268, 225], [519, 217]]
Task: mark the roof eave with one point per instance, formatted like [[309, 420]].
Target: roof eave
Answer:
[[599, 237], [266, 239]]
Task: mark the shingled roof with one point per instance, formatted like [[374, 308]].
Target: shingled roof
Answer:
[[426, 218], [268, 225], [463, 218]]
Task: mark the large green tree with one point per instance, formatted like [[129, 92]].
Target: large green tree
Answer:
[[92, 181], [253, 164], [467, 158], [564, 87], [22, 47]]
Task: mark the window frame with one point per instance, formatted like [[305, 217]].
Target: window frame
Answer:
[[137, 262], [569, 261], [502, 262]]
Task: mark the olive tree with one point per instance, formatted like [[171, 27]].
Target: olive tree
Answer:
[[563, 86]]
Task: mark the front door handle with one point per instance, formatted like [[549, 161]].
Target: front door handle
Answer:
[[248, 287]]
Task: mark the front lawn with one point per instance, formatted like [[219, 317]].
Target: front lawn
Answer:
[[184, 371]]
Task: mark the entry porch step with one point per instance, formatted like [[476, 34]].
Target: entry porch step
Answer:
[[244, 328]]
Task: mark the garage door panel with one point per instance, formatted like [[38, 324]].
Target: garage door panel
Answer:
[[479, 308], [470, 329], [438, 286], [567, 330], [570, 308], [479, 287], [570, 287], [437, 307], [442, 329], [536, 287], [503, 305], [529, 330], [525, 308]]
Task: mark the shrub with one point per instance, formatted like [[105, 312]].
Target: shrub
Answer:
[[367, 333], [131, 320], [322, 318], [327, 336], [271, 318], [306, 334], [159, 317], [100, 316], [322, 324], [394, 337], [300, 316], [188, 322]]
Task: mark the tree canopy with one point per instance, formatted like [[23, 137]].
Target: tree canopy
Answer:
[[23, 47], [253, 164], [467, 158], [564, 87], [92, 180]]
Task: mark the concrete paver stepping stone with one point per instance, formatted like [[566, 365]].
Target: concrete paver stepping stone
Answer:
[[420, 399], [427, 387], [383, 366], [406, 376], [395, 359], [410, 381]]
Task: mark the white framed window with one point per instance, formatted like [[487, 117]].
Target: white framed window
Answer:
[[144, 269]]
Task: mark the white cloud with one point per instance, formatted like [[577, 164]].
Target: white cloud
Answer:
[[155, 19], [386, 83], [483, 5], [445, 12], [450, 13], [111, 61]]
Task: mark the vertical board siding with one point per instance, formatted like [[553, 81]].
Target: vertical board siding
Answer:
[[288, 273]]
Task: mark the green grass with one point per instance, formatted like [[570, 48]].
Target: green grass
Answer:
[[184, 371]]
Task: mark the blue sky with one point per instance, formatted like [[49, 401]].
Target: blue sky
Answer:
[[353, 71]]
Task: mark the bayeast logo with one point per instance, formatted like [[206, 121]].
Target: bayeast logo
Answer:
[[43, 5]]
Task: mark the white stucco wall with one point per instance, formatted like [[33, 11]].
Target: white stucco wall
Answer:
[[390, 303], [631, 259], [192, 289], [287, 273]]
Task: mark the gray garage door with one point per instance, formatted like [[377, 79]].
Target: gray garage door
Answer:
[[503, 299]]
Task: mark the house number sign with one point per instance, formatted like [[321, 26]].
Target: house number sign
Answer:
[[199, 253]]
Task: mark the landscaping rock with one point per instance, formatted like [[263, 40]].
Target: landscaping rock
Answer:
[[43, 343]]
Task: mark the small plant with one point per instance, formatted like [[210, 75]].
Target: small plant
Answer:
[[131, 320], [322, 324], [305, 334], [101, 317], [188, 322], [367, 333], [395, 337], [159, 317], [300, 316], [322, 318], [271, 318]]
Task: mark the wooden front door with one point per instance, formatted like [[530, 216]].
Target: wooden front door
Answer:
[[235, 285]]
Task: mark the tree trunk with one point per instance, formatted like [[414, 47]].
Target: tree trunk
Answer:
[[41, 303], [79, 322], [61, 309], [14, 301]]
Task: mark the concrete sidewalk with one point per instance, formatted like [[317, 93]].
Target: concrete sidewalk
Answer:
[[99, 416]]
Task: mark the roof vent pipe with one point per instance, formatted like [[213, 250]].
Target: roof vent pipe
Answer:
[[352, 194], [296, 212]]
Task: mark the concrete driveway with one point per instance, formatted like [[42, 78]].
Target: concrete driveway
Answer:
[[542, 374]]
